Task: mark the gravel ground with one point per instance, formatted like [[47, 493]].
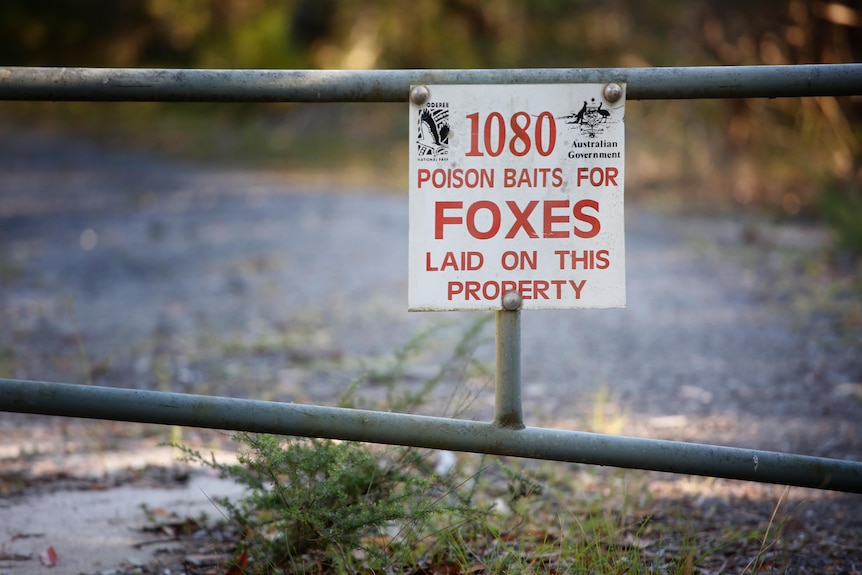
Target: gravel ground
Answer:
[[131, 270]]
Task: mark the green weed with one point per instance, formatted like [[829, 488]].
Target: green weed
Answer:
[[459, 365], [318, 505]]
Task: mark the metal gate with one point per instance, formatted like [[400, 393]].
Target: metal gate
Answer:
[[506, 434]]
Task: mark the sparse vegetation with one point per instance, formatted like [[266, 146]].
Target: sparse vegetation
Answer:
[[322, 506]]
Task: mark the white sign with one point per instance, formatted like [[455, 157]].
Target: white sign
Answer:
[[520, 188]]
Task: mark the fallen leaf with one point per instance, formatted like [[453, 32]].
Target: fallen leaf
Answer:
[[14, 556], [18, 536], [446, 568], [240, 563], [48, 557], [161, 512]]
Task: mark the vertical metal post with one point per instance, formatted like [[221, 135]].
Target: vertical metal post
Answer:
[[507, 408]]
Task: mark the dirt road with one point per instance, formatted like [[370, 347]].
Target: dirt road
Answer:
[[131, 270]]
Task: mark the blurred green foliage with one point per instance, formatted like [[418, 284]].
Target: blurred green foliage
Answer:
[[764, 152], [426, 33]]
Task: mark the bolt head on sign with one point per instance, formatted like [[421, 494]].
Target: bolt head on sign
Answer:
[[517, 188]]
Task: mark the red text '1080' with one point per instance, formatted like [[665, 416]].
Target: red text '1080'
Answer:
[[492, 136]]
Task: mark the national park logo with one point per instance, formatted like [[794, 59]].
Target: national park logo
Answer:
[[432, 140]]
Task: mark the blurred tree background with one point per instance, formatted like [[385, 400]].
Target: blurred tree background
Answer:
[[793, 156]]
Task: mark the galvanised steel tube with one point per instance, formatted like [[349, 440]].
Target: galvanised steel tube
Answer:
[[508, 411], [431, 432], [197, 85]]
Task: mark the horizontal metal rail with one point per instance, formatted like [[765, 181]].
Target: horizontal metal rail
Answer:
[[429, 432], [176, 85]]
